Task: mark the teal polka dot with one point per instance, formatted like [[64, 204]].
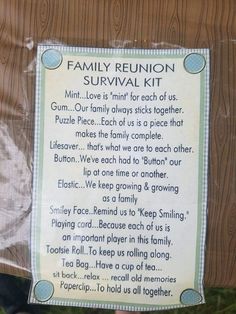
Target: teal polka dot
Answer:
[[194, 63], [190, 297], [43, 290], [51, 59]]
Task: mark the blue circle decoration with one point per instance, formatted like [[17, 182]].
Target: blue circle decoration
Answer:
[[194, 63], [190, 297], [51, 59], [43, 290]]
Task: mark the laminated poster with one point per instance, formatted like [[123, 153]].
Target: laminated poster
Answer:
[[120, 177]]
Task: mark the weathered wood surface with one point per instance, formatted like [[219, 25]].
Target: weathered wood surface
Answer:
[[119, 23]]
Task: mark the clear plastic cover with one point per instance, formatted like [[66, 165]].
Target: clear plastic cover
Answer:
[[115, 24]]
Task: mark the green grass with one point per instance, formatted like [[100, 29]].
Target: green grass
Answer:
[[218, 301]]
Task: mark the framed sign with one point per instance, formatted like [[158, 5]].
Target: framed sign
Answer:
[[120, 177]]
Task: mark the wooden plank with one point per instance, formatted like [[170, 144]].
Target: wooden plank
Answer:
[[116, 23]]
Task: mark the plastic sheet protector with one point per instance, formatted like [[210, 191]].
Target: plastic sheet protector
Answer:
[[120, 177]]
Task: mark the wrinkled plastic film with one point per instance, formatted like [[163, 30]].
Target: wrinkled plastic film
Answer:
[[16, 123], [17, 93]]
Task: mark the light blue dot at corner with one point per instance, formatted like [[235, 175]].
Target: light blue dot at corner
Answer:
[[190, 297], [194, 63], [51, 59], [43, 290]]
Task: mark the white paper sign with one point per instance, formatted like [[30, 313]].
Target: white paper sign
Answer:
[[120, 177]]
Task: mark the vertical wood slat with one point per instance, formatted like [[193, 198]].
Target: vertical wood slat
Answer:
[[126, 23]]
